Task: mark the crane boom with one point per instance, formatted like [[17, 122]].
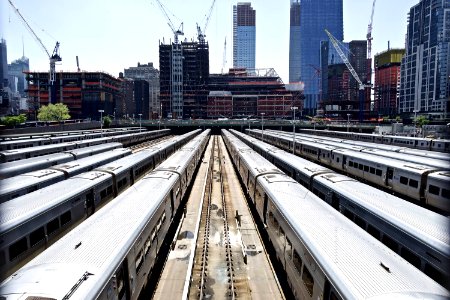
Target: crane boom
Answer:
[[176, 32], [201, 34], [29, 28], [369, 32], [345, 59]]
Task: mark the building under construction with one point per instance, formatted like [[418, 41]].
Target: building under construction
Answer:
[[387, 82], [83, 92], [251, 93], [184, 81]]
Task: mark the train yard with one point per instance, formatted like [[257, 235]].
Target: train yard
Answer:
[[199, 216]]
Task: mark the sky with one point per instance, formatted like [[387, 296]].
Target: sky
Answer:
[[110, 35]]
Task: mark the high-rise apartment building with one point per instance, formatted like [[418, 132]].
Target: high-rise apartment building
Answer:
[[244, 35], [309, 19], [387, 81], [3, 64], [425, 68]]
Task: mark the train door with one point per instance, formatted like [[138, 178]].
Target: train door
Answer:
[[90, 203], [172, 207], [122, 285], [389, 176], [344, 162], [131, 176], [265, 208]]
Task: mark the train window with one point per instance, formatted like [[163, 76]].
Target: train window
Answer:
[[281, 232], [432, 189], [411, 257], [52, 226], [366, 168], [18, 248], [32, 189], [103, 194], [356, 165], [348, 214], [378, 172], [403, 180], [297, 261], [360, 222], [37, 236], [350, 164], [413, 183], [308, 280], [373, 232], [138, 261], [147, 245], [337, 159], [372, 170], [66, 218], [446, 193], [434, 273], [361, 167], [2, 258], [153, 234], [288, 247], [388, 241]]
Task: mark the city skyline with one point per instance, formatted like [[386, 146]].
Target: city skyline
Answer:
[[111, 37]]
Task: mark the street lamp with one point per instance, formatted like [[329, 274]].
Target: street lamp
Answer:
[[140, 115], [415, 121], [348, 121], [160, 112], [293, 129], [101, 111], [262, 125]]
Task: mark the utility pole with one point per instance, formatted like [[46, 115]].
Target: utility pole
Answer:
[[293, 129], [415, 121], [262, 125], [140, 120], [348, 121], [101, 111]]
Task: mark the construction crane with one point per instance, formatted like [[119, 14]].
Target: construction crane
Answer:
[[54, 57], [201, 33], [369, 32], [224, 59], [78, 64], [361, 85], [176, 32]]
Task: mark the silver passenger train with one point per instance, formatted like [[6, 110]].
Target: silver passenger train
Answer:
[[432, 144], [404, 178], [419, 235], [22, 166], [111, 254], [125, 139], [30, 223], [20, 185], [49, 139], [324, 255]]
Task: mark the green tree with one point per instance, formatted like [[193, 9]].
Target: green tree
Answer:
[[12, 121], [422, 120], [53, 112], [106, 121]]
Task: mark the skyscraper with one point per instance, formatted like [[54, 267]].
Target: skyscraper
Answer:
[[425, 68], [244, 35], [3, 64], [309, 19], [17, 79]]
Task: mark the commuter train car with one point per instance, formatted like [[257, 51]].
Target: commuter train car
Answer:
[[405, 178], [111, 254], [390, 219], [24, 218], [324, 255], [19, 185], [22, 166], [440, 145], [125, 139]]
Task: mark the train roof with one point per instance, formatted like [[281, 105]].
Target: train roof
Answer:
[[358, 265], [402, 214], [34, 163], [19, 210]]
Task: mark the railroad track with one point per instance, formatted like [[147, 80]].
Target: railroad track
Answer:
[[217, 257], [144, 145]]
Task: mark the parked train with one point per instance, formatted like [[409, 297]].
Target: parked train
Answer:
[[420, 236], [22, 166], [111, 254], [406, 178], [20, 185], [125, 139], [424, 157], [323, 254], [440, 145], [32, 222]]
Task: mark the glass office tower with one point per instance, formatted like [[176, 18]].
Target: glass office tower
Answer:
[[244, 35]]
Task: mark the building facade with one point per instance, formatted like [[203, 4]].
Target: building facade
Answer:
[[387, 82], [425, 68], [244, 35], [148, 73], [3, 64], [85, 93], [310, 19], [192, 78]]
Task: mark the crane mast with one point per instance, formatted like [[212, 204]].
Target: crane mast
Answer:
[[54, 57], [369, 32]]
